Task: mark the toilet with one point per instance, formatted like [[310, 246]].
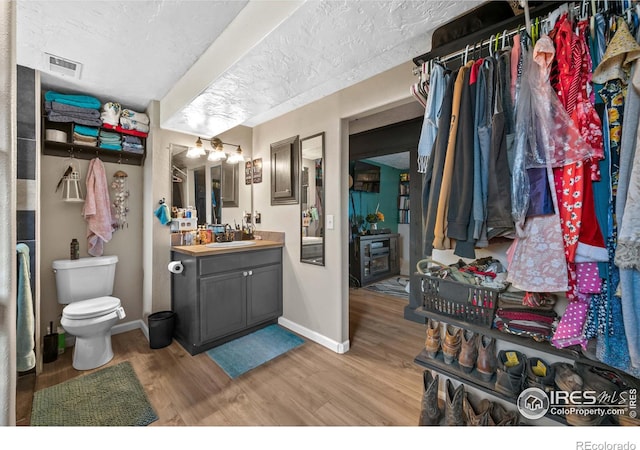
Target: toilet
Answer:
[[85, 285]]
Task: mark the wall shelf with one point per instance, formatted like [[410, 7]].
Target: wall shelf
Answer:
[[53, 148]]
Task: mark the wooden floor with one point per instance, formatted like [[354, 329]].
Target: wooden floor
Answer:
[[375, 383]]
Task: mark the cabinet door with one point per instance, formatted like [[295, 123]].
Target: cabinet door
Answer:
[[264, 294], [222, 305], [284, 171]]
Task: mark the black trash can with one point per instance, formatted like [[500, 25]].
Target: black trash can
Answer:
[[161, 326]]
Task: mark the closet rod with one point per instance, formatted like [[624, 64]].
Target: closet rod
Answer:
[[480, 35]]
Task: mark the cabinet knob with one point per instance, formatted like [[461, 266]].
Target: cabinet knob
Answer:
[[251, 272], [244, 274]]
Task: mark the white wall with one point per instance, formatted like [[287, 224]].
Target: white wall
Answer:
[[7, 215], [316, 297]]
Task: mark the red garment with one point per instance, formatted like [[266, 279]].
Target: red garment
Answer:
[[119, 129]]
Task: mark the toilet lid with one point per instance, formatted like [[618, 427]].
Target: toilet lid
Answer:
[[94, 307]]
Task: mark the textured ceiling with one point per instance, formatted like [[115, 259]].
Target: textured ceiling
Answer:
[[268, 64]]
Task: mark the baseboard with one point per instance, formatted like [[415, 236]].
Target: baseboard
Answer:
[[128, 326], [338, 347]]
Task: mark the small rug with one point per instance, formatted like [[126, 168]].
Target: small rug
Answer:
[[112, 396], [248, 352], [391, 286]]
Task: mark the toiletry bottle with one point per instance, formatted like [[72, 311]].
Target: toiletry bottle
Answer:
[[74, 249]]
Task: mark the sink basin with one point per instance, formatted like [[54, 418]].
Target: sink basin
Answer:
[[231, 244]]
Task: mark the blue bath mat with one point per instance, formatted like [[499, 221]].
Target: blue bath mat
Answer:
[[250, 351]]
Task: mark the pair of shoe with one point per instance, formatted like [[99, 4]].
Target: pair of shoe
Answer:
[[540, 374], [478, 351], [431, 414], [487, 412], [450, 345]]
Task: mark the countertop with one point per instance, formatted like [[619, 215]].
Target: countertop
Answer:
[[202, 250]]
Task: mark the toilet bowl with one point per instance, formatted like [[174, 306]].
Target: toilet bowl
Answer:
[[90, 321], [85, 286]]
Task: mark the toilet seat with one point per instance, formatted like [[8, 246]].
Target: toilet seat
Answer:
[[87, 309]]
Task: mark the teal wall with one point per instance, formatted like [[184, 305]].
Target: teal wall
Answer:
[[365, 202]]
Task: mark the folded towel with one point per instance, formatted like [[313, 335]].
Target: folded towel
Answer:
[[132, 140], [54, 116], [136, 116], [110, 146], [86, 143], [111, 113], [73, 110], [119, 129], [163, 214], [130, 124], [82, 138], [82, 101], [86, 131]]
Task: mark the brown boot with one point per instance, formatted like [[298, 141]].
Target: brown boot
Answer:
[[501, 417], [477, 414], [430, 414], [432, 344], [453, 404], [468, 351], [487, 361], [451, 343]]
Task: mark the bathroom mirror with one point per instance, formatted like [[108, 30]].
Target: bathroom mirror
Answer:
[[312, 199], [207, 186]]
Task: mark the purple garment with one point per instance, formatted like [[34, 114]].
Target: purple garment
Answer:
[[570, 330]]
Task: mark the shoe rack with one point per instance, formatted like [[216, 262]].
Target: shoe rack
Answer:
[[483, 327]]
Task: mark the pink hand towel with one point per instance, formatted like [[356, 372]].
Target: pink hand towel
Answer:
[[97, 209]]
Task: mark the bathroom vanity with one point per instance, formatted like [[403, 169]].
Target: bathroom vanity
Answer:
[[225, 292]]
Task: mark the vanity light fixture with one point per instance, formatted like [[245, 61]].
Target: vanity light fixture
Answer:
[[218, 152], [236, 157], [197, 151]]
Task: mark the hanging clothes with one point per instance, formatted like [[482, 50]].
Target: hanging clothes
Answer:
[[437, 85], [25, 342]]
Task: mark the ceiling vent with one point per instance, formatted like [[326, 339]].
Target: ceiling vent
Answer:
[[62, 66]]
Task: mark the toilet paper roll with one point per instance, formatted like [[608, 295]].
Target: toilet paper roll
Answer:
[[175, 267]]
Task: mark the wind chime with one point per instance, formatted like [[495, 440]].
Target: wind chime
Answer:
[[120, 198]]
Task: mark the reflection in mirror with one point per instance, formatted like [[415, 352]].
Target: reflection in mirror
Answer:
[[312, 199]]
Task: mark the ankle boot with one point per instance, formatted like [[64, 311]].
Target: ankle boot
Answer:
[[510, 372], [486, 362], [477, 414], [468, 351], [500, 416], [453, 404], [540, 374], [430, 414], [451, 343], [432, 344]]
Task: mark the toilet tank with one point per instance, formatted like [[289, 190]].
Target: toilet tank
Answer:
[[84, 278]]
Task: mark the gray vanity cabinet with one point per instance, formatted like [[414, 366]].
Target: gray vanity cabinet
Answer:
[[218, 298]]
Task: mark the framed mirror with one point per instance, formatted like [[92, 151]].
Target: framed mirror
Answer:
[[312, 208], [207, 186]]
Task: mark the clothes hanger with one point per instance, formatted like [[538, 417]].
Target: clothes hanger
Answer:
[[504, 36]]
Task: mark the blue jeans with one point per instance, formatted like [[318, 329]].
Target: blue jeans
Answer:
[[630, 286]]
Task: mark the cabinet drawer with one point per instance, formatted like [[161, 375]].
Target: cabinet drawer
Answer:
[[236, 261]]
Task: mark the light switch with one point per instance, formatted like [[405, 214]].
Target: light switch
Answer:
[[329, 221]]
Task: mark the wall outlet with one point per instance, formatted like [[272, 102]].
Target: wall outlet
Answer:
[[329, 221], [258, 217]]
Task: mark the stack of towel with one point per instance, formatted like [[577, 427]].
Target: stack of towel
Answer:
[[80, 109], [109, 140], [526, 314], [111, 114], [132, 144], [83, 135], [131, 120]]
